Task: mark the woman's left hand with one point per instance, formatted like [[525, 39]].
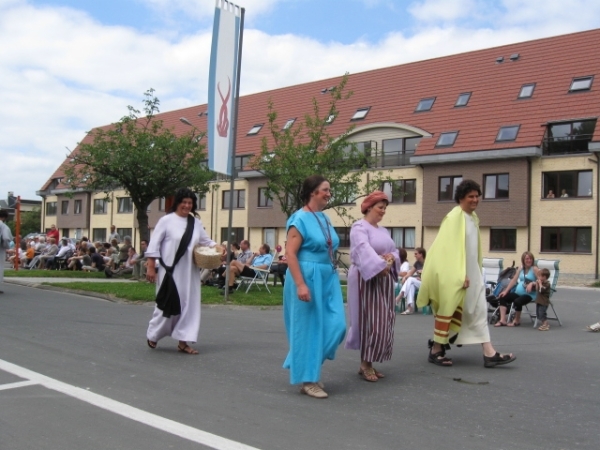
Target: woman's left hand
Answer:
[[466, 283]]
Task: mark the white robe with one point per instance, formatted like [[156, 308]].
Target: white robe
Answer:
[[164, 243], [474, 328]]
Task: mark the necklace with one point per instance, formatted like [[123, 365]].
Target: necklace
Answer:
[[327, 235]]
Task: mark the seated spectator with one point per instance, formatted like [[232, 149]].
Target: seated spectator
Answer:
[[412, 281], [125, 268], [114, 244], [124, 249], [49, 252], [40, 245], [563, 193], [525, 281], [550, 194], [64, 251], [278, 270], [81, 259], [29, 254], [260, 260], [97, 262], [139, 269]]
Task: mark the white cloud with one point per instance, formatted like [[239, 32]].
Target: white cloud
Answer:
[[64, 73]]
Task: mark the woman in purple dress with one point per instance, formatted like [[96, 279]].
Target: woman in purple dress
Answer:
[[371, 279]]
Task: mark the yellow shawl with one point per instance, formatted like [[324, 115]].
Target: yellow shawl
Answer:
[[444, 275]]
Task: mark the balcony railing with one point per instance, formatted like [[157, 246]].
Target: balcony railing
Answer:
[[567, 145]]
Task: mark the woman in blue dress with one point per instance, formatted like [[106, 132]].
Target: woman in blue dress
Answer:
[[313, 307]]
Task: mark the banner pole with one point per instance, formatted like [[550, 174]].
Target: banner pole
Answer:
[[233, 152]]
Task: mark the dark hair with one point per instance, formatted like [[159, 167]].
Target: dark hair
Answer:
[[464, 188], [267, 248], [422, 251], [144, 240], [235, 245], [545, 273], [403, 255], [310, 185], [4, 213], [91, 249], [180, 195]]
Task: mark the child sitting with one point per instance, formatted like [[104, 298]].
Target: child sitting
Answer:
[[542, 300]]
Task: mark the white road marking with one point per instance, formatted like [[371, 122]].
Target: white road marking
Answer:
[[16, 385], [122, 409]]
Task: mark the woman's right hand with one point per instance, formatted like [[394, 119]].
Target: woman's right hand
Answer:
[[502, 294], [303, 293], [151, 274]]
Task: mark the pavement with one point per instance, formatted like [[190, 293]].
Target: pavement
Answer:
[[75, 373]]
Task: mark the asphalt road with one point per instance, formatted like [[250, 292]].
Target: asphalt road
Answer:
[[75, 373]]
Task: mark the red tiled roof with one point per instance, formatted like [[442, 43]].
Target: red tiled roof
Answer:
[[394, 92]]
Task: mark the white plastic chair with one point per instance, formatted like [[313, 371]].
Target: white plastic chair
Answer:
[[261, 276]]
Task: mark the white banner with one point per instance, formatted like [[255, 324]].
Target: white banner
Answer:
[[222, 84]]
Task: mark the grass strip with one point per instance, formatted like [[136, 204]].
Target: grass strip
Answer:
[[37, 273]]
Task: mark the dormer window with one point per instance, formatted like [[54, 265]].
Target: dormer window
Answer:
[[581, 84]]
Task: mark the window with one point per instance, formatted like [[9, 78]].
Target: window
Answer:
[[447, 188], [581, 84], [447, 139], [569, 137], [503, 239], [100, 206], [567, 239], [362, 156], [330, 119], [361, 113], [495, 186], [237, 235], [201, 202], [161, 204], [397, 152], [403, 237], [77, 207], [124, 205], [64, 232], [289, 123], [239, 199], [99, 235], [401, 191], [508, 133], [64, 207], [270, 237], [255, 129], [527, 90], [242, 161], [124, 232], [571, 184], [344, 235], [463, 99], [51, 208], [425, 104], [263, 198], [345, 194]]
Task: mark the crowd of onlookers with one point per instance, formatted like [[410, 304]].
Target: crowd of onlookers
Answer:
[[115, 258]]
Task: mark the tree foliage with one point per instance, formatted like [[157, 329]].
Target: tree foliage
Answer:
[[31, 222], [142, 156], [306, 149]]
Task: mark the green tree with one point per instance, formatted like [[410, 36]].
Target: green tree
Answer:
[[305, 149], [142, 156], [31, 222]]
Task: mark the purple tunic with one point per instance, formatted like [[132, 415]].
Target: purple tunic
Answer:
[[367, 244]]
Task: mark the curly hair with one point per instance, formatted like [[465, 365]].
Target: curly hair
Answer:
[[463, 189], [310, 185], [180, 195]]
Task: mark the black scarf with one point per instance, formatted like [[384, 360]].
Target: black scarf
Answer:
[[167, 299]]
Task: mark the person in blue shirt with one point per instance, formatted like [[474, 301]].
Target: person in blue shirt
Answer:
[[260, 260], [525, 292]]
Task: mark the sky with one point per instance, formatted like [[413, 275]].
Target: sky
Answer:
[[67, 66]]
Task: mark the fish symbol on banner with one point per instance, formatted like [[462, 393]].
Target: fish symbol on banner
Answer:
[[223, 123]]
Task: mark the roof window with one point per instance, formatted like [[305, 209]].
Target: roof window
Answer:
[[255, 129], [425, 104], [508, 133], [360, 113], [463, 99], [289, 123], [581, 84], [447, 139], [527, 90], [330, 119]]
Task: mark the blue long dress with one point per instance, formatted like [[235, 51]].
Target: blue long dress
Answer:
[[315, 329]]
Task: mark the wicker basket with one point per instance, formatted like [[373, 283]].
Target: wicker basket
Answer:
[[206, 261]]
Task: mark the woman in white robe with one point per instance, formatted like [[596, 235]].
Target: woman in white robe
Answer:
[[163, 244]]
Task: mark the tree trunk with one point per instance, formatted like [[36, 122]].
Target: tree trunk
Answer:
[[142, 218]]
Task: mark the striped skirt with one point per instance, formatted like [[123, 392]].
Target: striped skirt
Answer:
[[376, 318]]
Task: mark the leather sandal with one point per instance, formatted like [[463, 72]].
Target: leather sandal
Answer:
[[151, 344], [187, 349], [368, 374], [497, 360]]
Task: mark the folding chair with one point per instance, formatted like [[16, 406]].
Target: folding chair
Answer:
[[491, 269], [553, 266], [261, 276]]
